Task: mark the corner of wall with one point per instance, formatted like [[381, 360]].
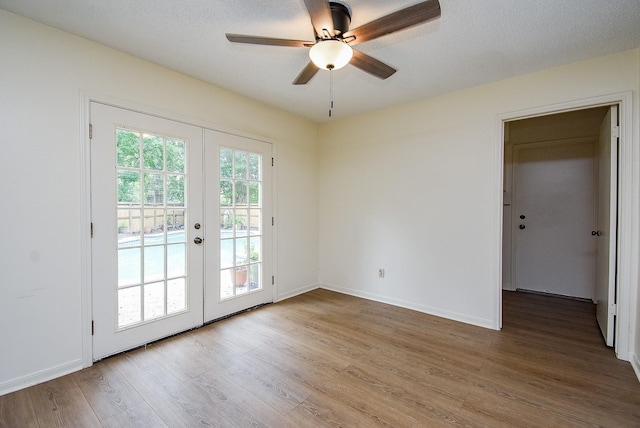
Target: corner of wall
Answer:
[[295, 292]]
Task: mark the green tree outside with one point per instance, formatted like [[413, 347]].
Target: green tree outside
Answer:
[[152, 150]]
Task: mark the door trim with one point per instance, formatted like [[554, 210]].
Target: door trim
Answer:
[[85, 100], [86, 295], [628, 214]]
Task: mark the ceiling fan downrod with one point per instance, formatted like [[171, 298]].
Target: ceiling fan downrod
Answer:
[[341, 19]]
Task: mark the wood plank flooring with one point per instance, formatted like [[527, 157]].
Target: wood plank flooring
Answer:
[[326, 359]]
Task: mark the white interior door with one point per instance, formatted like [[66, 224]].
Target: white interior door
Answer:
[[146, 186], [606, 232], [238, 251], [553, 216]]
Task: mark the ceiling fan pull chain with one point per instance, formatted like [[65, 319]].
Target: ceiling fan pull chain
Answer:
[[330, 92]]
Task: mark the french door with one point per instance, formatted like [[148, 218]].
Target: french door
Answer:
[[238, 188], [150, 178]]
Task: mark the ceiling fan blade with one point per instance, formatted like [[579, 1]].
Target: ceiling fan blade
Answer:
[[321, 17], [258, 40], [396, 21], [371, 65], [306, 74]]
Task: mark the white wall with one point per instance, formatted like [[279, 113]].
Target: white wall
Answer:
[[415, 189], [43, 73]]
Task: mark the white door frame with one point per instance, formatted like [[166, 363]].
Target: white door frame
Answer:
[[628, 213], [85, 100]]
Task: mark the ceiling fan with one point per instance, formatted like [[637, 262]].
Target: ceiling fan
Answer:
[[332, 48]]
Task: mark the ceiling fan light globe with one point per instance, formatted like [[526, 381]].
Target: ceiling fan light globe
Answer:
[[330, 54]]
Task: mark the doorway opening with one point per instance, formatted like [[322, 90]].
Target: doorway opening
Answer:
[[560, 186]]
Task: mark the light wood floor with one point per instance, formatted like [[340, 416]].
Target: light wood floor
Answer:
[[326, 359]]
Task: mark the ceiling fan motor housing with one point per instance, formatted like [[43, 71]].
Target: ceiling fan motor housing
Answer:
[[341, 17]]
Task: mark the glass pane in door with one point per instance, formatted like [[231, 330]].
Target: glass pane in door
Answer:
[[240, 216], [151, 215]]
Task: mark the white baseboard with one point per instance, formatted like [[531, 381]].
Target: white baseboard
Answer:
[[635, 363], [40, 376], [480, 322], [297, 291]]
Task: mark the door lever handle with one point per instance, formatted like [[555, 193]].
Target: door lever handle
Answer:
[[595, 233], [522, 226], [198, 240]]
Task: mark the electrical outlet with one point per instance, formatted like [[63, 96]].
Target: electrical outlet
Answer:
[[380, 273]]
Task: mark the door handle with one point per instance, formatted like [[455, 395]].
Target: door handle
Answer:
[[198, 240], [595, 233], [522, 226]]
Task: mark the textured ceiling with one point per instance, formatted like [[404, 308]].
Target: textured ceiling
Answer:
[[473, 42]]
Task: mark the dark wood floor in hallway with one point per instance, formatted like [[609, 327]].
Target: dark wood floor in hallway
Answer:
[[327, 359]]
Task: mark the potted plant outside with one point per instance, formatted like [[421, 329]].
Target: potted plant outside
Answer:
[[240, 276]]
